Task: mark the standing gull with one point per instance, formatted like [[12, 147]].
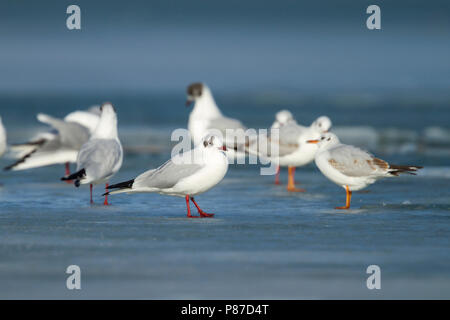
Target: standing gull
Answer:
[[352, 168], [282, 118], [184, 175], [2, 138], [293, 151], [60, 145], [206, 117], [101, 157]]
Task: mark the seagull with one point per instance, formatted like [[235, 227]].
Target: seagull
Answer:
[[60, 145], [184, 175], [293, 151], [101, 156], [2, 138], [206, 117], [282, 118], [350, 167]]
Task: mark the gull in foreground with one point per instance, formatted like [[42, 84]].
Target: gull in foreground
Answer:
[[2, 138], [184, 175], [293, 149], [100, 157], [59, 145], [351, 167], [282, 118], [206, 118]]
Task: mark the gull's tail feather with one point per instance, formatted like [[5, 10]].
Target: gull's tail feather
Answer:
[[122, 186], [396, 170], [77, 176]]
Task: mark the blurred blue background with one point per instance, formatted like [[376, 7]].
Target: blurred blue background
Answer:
[[385, 90], [234, 45]]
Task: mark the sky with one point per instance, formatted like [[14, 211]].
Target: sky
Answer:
[[231, 45]]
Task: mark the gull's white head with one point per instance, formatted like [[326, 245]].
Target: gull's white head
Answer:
[[322, 124], [107, 125], [84, 118], [282, 118], [213, 142], [326, 140]]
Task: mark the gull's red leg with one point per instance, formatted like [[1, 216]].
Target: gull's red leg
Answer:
[[106, 196], [201, 212], [90, 187], [189, 208], [277, 176], [68, 172]]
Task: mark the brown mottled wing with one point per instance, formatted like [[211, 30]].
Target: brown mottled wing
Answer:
[[355, 162]]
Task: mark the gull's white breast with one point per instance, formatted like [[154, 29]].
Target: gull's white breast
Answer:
[[201, 181]]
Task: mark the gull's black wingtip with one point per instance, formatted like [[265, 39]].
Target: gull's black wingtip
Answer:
[[122, 185], [75, 176]]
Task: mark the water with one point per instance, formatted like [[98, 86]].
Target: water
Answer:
[[264, 242]]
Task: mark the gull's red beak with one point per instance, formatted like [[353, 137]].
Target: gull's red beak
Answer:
[[312, 141], [224, 148]]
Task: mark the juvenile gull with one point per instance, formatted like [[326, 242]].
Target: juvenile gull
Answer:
[[100, 157], [184, 175], [350, 167]]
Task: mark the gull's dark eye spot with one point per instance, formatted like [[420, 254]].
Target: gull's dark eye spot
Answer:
[[322, 138], [328, 139], [205, 143]]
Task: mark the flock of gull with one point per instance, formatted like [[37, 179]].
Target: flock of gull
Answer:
[[90, 139]]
